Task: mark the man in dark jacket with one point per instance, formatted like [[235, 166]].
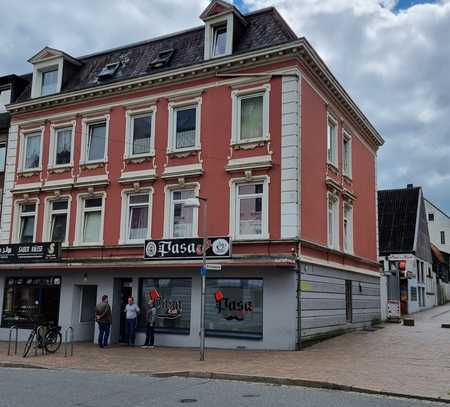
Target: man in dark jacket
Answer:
[[151, 319], [104, 319]]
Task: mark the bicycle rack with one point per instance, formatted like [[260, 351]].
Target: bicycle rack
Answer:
[[15, 339], [68, 342]]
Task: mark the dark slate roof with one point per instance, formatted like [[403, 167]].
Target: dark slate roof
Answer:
[[397, 214], [265, 29]]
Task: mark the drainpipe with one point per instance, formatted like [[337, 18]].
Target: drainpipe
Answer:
[[298, 345]]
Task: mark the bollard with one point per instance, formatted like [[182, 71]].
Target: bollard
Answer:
[[67, 342]]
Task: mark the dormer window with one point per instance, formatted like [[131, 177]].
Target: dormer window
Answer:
[[108, 71], [49, 82], [219, 40], [5, 98], [162, 59]]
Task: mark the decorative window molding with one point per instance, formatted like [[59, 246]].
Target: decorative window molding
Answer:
[[136, 176], [56, 132], [81, 221], [332, 141], [131, 116], [87, 125], [174, 145], [39, 69], [347, 154], [127, 206], [25, 145], [238, 96], [214, 41], [235, 199], [20, 213], [50, 211], [169, 207], [348, 227], [188, 170], [333, 221], [249, 163]]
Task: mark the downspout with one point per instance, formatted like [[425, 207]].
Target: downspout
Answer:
[[298, 270]]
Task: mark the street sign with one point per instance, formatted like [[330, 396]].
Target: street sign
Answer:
[[214, 266], [203, 271]]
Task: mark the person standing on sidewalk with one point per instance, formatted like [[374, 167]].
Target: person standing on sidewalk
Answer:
[[132, 311], [151, 319], [104, 318]]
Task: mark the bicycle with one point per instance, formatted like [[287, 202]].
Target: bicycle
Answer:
[[47, 337]]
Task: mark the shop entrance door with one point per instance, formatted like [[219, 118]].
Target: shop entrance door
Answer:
[[126, 291], [404, 296]]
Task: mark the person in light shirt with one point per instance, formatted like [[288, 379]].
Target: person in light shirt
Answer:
[[131, 311]]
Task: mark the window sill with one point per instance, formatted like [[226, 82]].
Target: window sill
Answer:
[[348, 178], [29, 172], [60, 169], [333, 167], [250, 144], [87, 245], [238, 239], [92, 165], [138, 159], [184, 152]]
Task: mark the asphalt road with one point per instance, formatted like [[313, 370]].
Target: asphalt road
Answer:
[[67, 388]]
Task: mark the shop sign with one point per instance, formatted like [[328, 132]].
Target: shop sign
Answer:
[[30, 252], [191, 248]]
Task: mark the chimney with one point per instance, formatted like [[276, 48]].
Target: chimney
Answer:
[[409, 186]]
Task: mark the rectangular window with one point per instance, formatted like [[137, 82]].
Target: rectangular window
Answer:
[[27, 214], [249, 210], [182, 217], [348, 301], [92, 220], [29, 299], [96, 142], [332, 141], [2, 157], [431, 217], [234, 308], [138, 216], [58, 220], [173, 304], [347, 147], [251, 108], [333, 225], [5, 98], [348, 228], [32, 151], [63, 146], [49, 82], [442, 237], [219, 40], [141, 130], [185, 132]]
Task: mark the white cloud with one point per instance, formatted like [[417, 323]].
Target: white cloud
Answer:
[[395, 66]]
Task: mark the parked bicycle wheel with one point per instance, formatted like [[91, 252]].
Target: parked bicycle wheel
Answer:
[[29, 343], [52, 341]]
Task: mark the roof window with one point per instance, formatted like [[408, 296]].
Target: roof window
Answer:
[[109, 70], [162, 59]]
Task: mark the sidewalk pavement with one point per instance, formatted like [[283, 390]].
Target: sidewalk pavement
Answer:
[[401, 360]]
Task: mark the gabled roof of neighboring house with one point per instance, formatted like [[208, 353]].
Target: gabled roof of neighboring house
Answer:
[[438, 254], [402, 223], [265, 28]]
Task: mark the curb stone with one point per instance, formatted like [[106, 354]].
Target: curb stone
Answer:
[[21, 366], [294, 382]]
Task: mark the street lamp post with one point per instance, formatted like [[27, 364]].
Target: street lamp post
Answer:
[[195, 202]]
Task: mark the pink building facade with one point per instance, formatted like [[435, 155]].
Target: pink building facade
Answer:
[[102, 157]]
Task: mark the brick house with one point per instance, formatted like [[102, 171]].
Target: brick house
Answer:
[[105, 150]]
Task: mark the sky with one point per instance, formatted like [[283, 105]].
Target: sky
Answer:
[[392, 56]]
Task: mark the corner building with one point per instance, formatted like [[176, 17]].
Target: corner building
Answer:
[[105, 151]]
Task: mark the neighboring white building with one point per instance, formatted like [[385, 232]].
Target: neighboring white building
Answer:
[[438, 226]]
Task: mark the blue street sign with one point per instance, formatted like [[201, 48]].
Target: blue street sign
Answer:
[[203, 271]]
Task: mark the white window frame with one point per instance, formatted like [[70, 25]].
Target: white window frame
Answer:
[[45, 66], [334, 160], [126, 193], [129, 130], [173, 107], [54, 128], [22, 156], [86, 123], [347, 140], [48, 212], [237, 96], [80, 218], [168, 211], [210, 27], [348, 239], [5, 89], [234, 216], [18, 216], [333, 243]]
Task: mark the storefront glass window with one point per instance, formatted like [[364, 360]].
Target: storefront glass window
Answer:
[[234, 308], [31, 299], [173, 303]]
